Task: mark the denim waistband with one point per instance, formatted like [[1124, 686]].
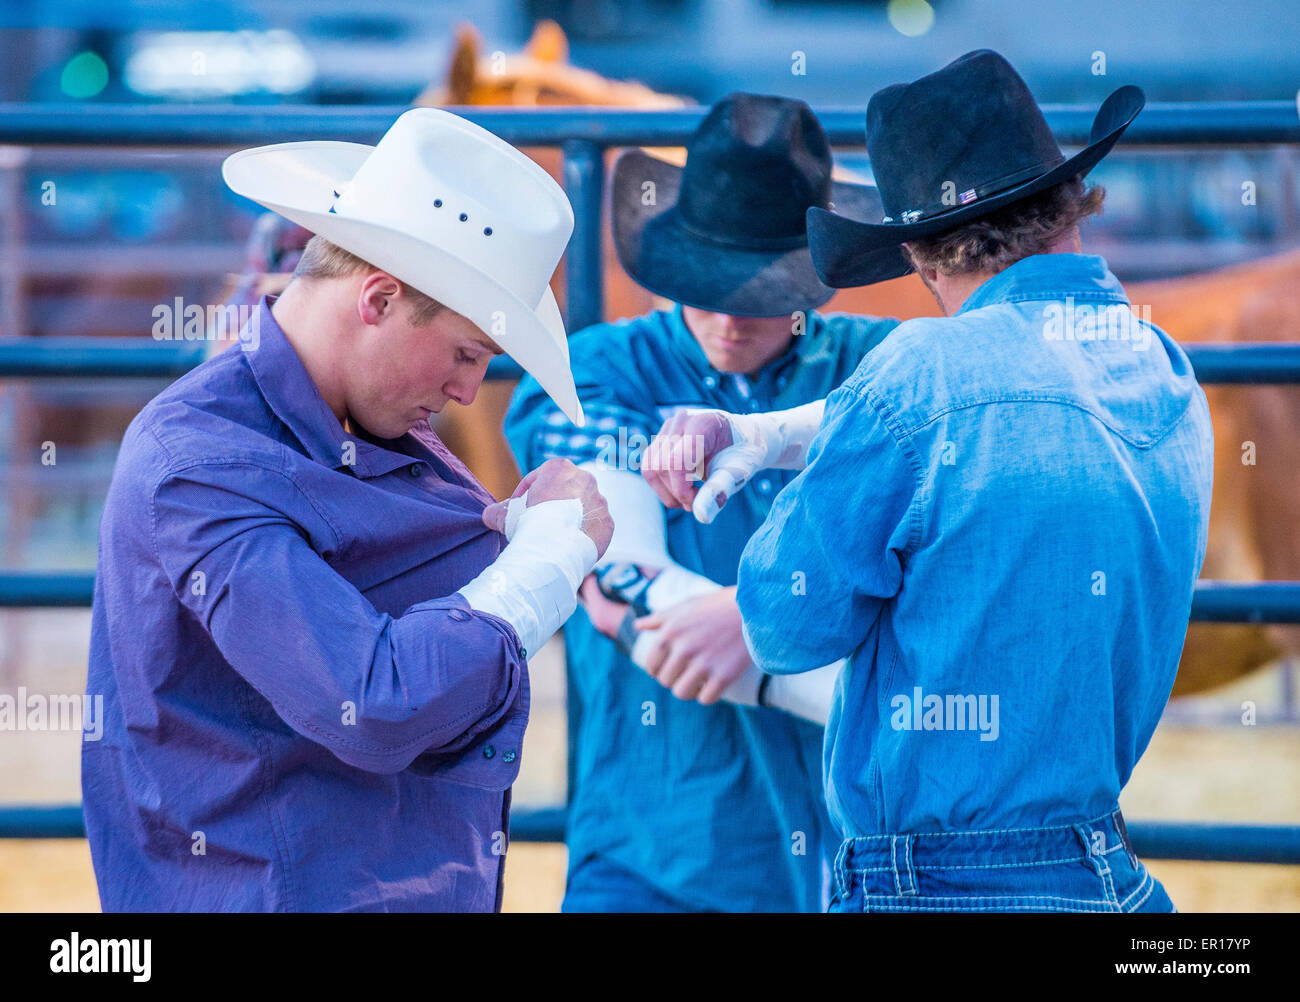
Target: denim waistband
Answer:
[[995, 847]]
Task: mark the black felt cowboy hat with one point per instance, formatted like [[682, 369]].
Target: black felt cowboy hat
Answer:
[[947, 149], [727, 232]]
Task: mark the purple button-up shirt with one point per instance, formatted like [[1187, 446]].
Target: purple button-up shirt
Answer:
[[301, 714]]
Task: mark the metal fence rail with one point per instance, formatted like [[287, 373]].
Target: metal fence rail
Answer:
[[94, 357], [1220, 123], [584, 134]]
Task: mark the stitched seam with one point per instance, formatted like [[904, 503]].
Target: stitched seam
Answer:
[[172, 471], [1004, 897], [930, 868], [919, 906], [1149, 883], [994, 831], [1042, 398], [890, 420]]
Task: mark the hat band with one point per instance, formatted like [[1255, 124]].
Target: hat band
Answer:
[[747, 243], [973, 195]]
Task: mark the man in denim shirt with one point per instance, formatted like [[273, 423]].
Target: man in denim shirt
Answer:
[[696, 803], [1001, 519]]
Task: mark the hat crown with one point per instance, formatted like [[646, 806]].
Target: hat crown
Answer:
[[457, 186], [962, 133], [753, 168]]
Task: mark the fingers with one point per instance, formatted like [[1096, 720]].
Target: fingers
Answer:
[[528, 481], [494, 516], [713, 495], [691, 682], [712, 690], [672, 668], [679, 453]]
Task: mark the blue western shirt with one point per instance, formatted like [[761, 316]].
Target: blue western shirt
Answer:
[[1001, 520], [718, 807], [301, 715]]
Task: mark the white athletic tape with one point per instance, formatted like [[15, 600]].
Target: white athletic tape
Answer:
[[706, 505], [514, 511]]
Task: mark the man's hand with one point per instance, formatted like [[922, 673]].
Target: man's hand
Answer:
[[559, 480], [605, 614], [701, 650], [690, 445]]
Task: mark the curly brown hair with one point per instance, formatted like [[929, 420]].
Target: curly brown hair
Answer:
[[1000, 239], [323, 259]]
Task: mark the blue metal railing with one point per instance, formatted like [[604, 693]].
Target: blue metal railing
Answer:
[[584, 134]]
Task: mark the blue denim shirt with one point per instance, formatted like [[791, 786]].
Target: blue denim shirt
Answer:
[[301, 714], [704, 803], [1001, 520]]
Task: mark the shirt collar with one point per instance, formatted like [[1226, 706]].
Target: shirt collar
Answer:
[[289, 390], [1048, 276]]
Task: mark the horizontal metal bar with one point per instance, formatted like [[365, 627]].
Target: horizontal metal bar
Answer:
[[97, 356], [1213, 842], [1207, 841], [1182, 123], [1212, 601], [57, 821], [544, 824], [1242, 363], [1245, 362], [46, 590], [108, 357], [1246, 602]]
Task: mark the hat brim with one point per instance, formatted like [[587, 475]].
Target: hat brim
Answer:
[[850, 252], [669, 260], [300, 181]]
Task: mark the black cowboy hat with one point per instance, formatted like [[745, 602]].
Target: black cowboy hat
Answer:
[[726, 233], [949, 148]]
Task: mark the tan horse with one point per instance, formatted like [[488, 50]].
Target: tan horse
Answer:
[[1255, 523]]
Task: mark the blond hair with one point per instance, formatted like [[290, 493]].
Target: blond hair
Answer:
[[996, 241], [322, 259]]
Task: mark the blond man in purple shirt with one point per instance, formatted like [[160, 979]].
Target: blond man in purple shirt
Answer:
[[311, 623]]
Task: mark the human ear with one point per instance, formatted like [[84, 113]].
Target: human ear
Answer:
[[377, 297]]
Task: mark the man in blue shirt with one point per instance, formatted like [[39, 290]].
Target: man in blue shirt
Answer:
[[691, 804], [1000, 521]]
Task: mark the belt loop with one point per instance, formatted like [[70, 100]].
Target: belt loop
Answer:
[[1122, 828], [1094, 846], [900, 856], [841, 871]]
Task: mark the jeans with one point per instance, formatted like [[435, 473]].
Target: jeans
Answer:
[[1085, 867]]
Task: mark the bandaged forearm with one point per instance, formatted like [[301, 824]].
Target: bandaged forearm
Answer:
[[533, 584], [780, 438], [640, 538], [776, 440], [808, 694]]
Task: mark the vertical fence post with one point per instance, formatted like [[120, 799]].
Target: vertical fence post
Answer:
[[584, 305], [584, 179]]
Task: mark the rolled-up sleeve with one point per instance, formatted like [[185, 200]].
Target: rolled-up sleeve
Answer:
[[376, 690], [814, 577]]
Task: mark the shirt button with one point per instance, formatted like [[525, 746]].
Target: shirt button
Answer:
[[459, 615], [488, 751], [413, 469], [523, 653], [764, 486], [508, 757], [710, 382]]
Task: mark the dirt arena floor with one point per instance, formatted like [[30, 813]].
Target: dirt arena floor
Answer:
[[1203, 764]]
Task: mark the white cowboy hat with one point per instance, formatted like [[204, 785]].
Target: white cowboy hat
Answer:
[[446, 206]]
